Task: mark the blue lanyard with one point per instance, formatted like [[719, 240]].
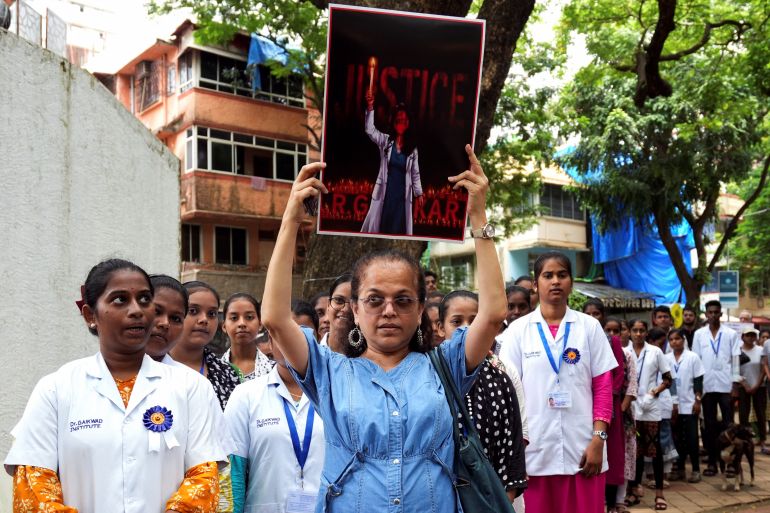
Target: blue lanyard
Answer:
[[641, 367], [300, 452], [719, 343], [554, 365]]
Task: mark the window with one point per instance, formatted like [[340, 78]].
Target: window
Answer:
[[191, 243], [185, 65], [242, 154], [560, 203], [232, 76], [170, 80], [230, 245], [457, 273], [147, 87]]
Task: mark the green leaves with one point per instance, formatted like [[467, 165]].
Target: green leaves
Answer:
[[670, 157]]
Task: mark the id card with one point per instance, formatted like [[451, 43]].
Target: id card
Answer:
[[300, 501], [559, 399], [718, 366]]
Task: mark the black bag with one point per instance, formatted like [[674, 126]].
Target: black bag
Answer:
[[476, 481]]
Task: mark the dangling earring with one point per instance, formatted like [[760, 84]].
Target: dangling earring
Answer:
[[355, 337], [419, 336]]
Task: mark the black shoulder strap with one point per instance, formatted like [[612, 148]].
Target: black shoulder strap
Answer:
[[453, 397]]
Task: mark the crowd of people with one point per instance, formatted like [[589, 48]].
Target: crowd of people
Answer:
[[332, 404]]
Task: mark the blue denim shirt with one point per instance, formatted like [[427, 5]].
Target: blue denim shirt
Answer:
[[388, 434]]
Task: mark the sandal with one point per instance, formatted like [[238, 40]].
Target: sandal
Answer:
[[660, 504], [632, 499]]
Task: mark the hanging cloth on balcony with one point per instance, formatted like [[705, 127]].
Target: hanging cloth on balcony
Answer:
[[262, 50]]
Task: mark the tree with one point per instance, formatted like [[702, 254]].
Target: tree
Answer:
[[751, 249], [666, 154], [303, 23]]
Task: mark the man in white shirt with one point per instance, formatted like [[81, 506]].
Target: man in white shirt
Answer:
[[718, 348]]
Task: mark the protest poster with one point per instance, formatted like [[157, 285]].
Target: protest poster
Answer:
[[401, 100]]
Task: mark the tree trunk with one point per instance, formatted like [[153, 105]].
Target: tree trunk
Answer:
[[329, 256], [689, 283]]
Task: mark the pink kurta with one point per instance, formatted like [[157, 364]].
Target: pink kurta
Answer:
[[556, 494]]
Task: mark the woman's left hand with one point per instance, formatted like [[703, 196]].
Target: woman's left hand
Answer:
[[591, 462], [476, 183]]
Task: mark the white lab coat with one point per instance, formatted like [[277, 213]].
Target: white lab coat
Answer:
[[651, 364], [257, 423], [720, 369], [75, 423], [557, 436]]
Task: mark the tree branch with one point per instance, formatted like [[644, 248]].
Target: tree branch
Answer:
[[741, 26], [736, 218], [505, 21]]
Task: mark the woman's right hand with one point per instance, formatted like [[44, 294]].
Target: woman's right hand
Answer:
[[305, 186], [369, 99]]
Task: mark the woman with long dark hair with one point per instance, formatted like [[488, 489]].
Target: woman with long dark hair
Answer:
[[398, 180]]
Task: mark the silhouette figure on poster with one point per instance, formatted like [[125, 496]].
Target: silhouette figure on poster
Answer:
[[398, 180]]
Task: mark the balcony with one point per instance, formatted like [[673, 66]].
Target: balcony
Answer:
[[229, 112], [212, 194]]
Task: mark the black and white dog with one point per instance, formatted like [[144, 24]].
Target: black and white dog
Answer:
[[735, 442]]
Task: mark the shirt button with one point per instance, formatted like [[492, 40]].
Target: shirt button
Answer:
[[396, 501], [395, 413], [396, 461]]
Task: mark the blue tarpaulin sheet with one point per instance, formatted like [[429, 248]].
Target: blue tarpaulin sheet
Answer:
[[634, 256], [262, 50]]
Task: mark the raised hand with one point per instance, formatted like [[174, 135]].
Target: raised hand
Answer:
[[305, 186], [476, 183]]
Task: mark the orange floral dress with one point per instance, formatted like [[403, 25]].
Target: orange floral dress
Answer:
[[38, 489]]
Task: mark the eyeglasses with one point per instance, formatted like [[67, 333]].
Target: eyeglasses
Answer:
[[338, 302], [401, 304]]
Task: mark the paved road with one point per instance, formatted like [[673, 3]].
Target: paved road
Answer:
[[707, 496]]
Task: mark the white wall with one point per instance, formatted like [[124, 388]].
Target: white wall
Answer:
[[80, 180]]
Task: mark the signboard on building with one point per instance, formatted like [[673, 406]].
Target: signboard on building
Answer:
[[729, 288], [400, 106]]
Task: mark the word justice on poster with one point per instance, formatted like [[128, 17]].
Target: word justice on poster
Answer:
[[436, 91]]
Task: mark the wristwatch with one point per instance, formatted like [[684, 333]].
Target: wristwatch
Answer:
[[485, 232], [601, 434]]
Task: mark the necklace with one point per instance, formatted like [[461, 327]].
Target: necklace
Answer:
[[294, 396]]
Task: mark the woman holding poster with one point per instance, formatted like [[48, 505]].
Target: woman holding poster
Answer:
[[387, 424], [398, 180]]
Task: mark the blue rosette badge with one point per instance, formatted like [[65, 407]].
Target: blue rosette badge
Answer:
[[571, 355], [158, 420]]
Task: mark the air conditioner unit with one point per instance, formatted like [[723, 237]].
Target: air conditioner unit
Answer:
[[144, 68]]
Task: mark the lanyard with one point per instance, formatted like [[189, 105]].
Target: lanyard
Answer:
[[300, 452], [719, 343], [203, 364], [554, 365], [641, 367]]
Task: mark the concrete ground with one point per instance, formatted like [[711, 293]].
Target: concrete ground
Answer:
[[708, 496]]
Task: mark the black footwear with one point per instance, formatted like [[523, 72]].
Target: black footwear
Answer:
[[710, 472]]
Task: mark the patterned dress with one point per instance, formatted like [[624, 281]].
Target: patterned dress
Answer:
[[493, 405]]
